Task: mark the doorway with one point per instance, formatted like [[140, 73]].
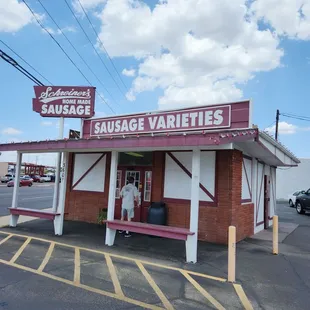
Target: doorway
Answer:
[[266, 200], [139, 166]]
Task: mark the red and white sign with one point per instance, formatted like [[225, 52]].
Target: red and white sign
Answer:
[[64, 101], [182, 120]]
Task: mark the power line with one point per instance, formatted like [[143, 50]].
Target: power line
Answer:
[[66, 37], [26, 62], [21, 69], [94, 48], [96, 33], [302, 118], [53, 38]]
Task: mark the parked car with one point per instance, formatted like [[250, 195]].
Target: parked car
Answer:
[[35, 177], [45, 178], [23, 181], [292, 197], [8, 177], [303, 202]]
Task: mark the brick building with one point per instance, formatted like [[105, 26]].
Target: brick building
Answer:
[[209, 165]]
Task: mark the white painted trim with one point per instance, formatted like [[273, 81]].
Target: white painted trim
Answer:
[[110, 233], [17, 179], [94, 180], [228, 146], [264, 137], [191, 242], [14, 218], [59, 219]]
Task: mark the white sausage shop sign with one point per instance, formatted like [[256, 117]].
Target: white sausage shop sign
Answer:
[[64, 101]]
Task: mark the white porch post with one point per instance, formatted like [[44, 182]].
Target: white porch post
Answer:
[[191, 243], [110, 233], [58, 166], [59, 219], [14, 218]]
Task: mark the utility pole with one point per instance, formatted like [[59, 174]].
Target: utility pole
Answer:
[[277, 124]]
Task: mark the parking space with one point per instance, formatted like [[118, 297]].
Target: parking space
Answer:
[[142, 283]]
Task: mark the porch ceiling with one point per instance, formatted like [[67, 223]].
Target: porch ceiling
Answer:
[[177, 141]]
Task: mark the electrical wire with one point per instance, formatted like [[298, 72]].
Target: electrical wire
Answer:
[[97, 35], [71, 44], [301, 118], [21, 69], [89, 40], [53, 38], [26, 62], [270, 125]]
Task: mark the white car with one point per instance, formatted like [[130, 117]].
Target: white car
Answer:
[[45, 178], [292, 197]]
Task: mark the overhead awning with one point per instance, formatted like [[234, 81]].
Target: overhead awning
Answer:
[[176, 141], [269, 151]]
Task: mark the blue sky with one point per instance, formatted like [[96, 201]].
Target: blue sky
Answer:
[[279, 83]]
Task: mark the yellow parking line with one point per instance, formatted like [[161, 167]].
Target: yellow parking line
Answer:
[[47, 256], [122, 257], [21, 249], [85, 287], [212, 300], [5, 239], [77, 266], [241, 294], [116, 284], [155, 287]]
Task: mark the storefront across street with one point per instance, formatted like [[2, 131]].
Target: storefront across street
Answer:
[[210, 166]]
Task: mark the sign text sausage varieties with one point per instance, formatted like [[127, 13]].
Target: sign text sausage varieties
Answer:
[[64, 101], [181, 120]]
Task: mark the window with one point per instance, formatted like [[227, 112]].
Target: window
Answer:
[[118, 184], [147, 185]]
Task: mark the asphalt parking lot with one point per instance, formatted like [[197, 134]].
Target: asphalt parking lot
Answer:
[[77, 271], [132, 283], [39, 196]]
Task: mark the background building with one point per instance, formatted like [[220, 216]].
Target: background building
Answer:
[[292, 179]]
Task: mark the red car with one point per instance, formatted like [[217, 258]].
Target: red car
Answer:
[[24, 181]]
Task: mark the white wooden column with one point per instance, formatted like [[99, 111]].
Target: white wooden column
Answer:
[[58, 166], [254, 189], [110, 233], [14, 218], [191, 243], [59, 219]]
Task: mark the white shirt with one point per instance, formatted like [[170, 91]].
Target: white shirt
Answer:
[[129, 192]]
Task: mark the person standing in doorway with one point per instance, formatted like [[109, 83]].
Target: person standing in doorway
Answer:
[[130, 198]]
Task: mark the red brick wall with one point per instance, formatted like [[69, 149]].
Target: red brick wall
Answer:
[[213, 221], [83, 205]]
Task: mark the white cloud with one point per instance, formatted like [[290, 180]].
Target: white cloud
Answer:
[[130, 72], [14, 15], [87, 4], [195, 51], [286, 129], [67, 29], [288, 17], [10, 131], [58, 31], [47, 123]]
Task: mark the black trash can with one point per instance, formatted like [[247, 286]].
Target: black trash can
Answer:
[[157, 213]]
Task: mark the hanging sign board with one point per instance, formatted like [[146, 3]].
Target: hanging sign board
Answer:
[[181, 120], [64, 101]]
